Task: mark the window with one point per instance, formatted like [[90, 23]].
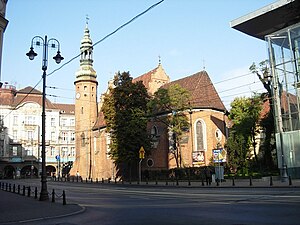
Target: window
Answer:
[[15, 136], [72, 122], [64, 136], [72, 136], [52, 122], [63, 122], [52, 151], [82, 140], [64, 151], [72, 151], [15, 150], [15, 121], [30, 120], [53, 136], [30, 135], [81, 110], [200, 133], [154, 132]]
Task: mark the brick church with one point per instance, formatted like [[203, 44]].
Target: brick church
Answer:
[[207, 116]]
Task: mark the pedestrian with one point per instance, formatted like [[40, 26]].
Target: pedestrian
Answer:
[[77, 175], [208, 176]]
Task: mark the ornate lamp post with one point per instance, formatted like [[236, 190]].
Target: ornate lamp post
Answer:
[[39, 41]]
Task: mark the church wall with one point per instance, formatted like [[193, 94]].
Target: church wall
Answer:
[[103, 166], [213, 120]]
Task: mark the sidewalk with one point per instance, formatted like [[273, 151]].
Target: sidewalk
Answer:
[[15, 208]]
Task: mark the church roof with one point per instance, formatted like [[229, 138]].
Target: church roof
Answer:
[[202, 90], [146, 78]]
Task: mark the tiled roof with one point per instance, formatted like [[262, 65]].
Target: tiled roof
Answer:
[[100, 123], [203, 92], [65, 108], [30, 94], [145, 78]]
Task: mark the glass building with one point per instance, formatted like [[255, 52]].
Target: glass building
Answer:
[[279, 25]]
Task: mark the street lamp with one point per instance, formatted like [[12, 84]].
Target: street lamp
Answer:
[[39, 41]]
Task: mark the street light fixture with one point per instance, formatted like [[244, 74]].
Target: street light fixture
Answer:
[[38, 41]]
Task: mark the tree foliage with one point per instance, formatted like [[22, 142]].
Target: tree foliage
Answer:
[[125, 108], [172, 102], [244, 114], [267, 123]]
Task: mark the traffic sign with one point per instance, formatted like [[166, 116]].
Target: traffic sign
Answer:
[[142, 153]]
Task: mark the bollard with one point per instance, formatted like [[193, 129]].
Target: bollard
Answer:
[[122, 181], [102, 180], [86, 180], [9, 187], [218, 182], [91, 180], [290, 181], [6, 186], [250, 181], [166, 182], [64, 198], [146, 180], [14, 188], [19, 188], [115, 180], [202, 181], [0, 184], [53, 195], [96, 180], [271, 181], [28, 191], [23, 190], [233, 182], [156, 181], [177, 183], [189, 182], [35, 193], [81, 180]]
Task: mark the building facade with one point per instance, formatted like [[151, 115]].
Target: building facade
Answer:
[[20, 135]]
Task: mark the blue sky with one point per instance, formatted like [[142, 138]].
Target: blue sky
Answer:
[[188, 35]]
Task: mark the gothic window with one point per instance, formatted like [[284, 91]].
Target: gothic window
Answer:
[[200, 133], [82, 140], [154, 132]]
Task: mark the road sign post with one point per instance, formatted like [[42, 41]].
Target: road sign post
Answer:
[[142, 156]]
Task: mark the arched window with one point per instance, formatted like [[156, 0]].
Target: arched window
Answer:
[[200, 135], [154, 131], [82, 140]]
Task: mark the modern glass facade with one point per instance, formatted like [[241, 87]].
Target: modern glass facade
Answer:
[[284, 52]]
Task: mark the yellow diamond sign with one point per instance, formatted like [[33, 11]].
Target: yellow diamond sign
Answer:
[[142, 153]]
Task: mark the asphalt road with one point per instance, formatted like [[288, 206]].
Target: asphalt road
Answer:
[[142, 205]]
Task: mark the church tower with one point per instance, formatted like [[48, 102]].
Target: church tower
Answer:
[[85, 108]]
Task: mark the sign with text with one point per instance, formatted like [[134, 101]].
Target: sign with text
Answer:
[[219, 155]]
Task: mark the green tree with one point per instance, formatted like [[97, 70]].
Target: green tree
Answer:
[[263, 73], [125, 109], [245, 114], [172, 102]]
